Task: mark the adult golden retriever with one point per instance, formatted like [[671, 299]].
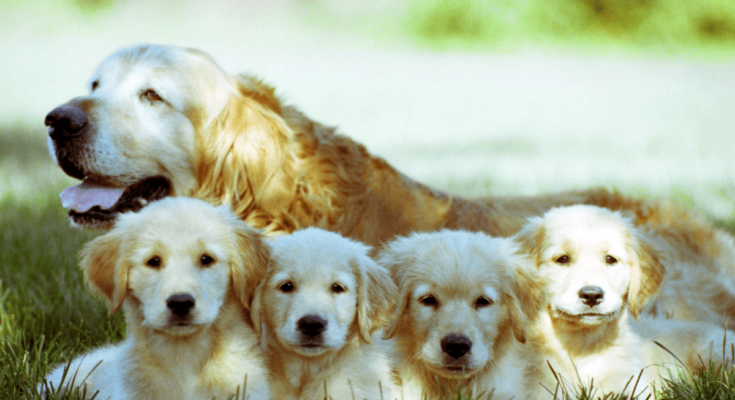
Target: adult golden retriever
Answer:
[[184, 272], [466, 302], [165, 120], [317, 309], [599, 270]]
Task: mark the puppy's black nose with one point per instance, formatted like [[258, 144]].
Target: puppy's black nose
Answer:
[[591, 295], [180, 304], [65, 121], [456, 345], [312, 325]]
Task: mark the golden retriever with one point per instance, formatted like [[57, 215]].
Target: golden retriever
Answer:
[[317, 309], [184, 272], [165, 120], [466, 301], [598, 270]]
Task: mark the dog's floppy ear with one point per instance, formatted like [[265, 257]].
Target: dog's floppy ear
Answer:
[[393, 257], [104, 268], [527, 298], [531, 237], [257, 307], [246, 158], [647, 274], [377, 295], [250, 261]]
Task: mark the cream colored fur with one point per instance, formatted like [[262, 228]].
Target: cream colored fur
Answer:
[[457, 287], [599, 272], [319, 274], [176, 247]]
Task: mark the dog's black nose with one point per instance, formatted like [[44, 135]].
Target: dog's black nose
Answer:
[[65, 121], [180, 304], [456, 345], [312, 325], [591, 295]]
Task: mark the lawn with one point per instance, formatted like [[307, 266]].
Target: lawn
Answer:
[[510, 98]]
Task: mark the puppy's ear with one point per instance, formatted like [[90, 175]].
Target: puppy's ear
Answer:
[[377, 296], [528, 298], [250, 260], [394, 257], [531, 238], [647, 274], [104, 268], [247, 156], [256, 309], [405, 296]]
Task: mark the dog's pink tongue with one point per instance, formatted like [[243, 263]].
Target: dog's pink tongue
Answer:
[[81, 198]]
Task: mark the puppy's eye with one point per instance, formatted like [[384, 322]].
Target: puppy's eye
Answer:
[[286, 287], [428, 301], [206, 260], [483, 302], [95, 84], [337, 288], [562, 260], [151, 95], [154, 262], [611, 260]]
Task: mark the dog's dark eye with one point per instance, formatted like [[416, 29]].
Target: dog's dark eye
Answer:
[[206, 260], [154, 262], [611, 260], [95, 84], [428, 301], [562, 260], [286, 287], [337, 288], [483, 302], [151, 95]]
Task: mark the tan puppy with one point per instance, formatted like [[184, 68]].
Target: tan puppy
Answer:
[[319, 306], [599, 271], [184, 273], [461, 323]]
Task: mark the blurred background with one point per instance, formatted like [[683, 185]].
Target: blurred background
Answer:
[[475, 97]]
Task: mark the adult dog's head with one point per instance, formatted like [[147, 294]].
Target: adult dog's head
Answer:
[[321, 290], [465, 297], [175, 263], [595, 262], [161, 121]]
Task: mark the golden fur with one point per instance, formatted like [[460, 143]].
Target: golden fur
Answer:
[[319, 277], [202, 254], [171, 113], [466, 302], [599, 270]]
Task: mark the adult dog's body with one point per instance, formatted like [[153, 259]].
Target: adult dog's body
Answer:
[[600, 272], [184, 272], [163, 120], [466, 301], [319, 305]]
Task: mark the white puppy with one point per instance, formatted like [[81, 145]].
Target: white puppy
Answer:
[[321, 302], [184, 273], [599, 270], [466, 300]]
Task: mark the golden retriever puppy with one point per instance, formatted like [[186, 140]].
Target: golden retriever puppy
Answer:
[[599, 270], [184, 272], [321, 302], [165, 120], [466, 301]]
